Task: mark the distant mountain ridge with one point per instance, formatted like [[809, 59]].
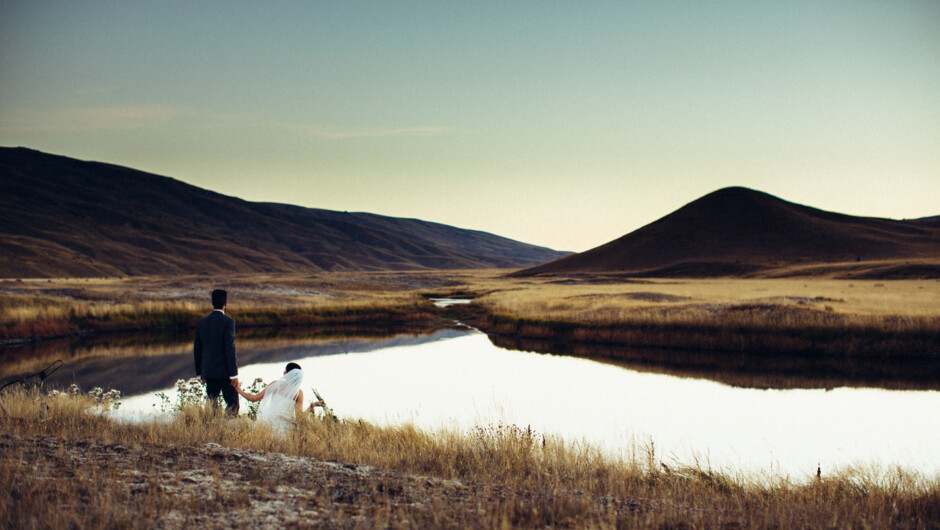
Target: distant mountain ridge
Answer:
[[738, 231], [931, 219], [64, 217]]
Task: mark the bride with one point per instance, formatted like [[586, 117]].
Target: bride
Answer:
[[281, 399]]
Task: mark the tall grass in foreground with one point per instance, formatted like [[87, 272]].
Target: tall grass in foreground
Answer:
[[511, 476]]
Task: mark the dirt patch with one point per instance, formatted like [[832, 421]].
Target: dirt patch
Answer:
[[801, 300], [219, 487], [586, 278], [641, 296]]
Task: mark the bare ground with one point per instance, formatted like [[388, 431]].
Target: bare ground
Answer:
[[217, 487]]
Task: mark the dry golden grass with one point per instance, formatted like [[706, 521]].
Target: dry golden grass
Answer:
[[23, 300], [702, 300], [781, 315], [505, 477], [62, 298], [32, 309], [784, 316]]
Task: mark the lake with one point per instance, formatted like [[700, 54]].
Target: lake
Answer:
[[457, 378]]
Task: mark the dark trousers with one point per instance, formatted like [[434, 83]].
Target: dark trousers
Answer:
[[214, 386]]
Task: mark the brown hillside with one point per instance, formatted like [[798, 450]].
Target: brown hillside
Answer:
[[739, 231], [65, 217]]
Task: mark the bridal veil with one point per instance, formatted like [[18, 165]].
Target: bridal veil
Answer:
[[280, 397]]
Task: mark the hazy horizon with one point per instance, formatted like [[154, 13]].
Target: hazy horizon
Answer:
[[559, 125]]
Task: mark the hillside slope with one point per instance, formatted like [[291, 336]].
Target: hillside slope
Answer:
[[736, 231], [64, 217]]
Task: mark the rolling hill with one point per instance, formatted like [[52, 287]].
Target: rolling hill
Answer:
[[64, 217], [738, 232]]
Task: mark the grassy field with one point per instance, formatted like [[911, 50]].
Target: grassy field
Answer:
[[64, 466], [771, 316], [781, 333], [907, 302], [40, 309]]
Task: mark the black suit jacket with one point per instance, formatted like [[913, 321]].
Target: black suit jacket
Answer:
[[214, 347]]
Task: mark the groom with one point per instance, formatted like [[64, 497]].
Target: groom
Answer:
[[214, 352]]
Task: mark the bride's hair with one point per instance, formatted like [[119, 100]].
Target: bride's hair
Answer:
[[291, 366]]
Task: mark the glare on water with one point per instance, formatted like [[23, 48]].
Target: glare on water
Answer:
[[461, 381]]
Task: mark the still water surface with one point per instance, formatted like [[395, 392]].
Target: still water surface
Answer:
[[459, 379]]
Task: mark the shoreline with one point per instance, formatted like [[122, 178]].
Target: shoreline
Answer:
[[827, 327], [861, 343], [65, 467], [738, 355]]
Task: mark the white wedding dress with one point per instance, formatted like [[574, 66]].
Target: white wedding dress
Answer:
[[279, 401]]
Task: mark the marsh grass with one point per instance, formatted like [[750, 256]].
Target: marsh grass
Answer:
[[790, 315], [894, 305], [508, 476], [776, 316], [805, 332], [40, 309]]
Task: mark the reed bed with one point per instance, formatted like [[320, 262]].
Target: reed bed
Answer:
[[496, 476]]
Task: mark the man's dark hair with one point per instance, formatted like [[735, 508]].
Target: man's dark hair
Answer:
[[219, 297], [292, 366]]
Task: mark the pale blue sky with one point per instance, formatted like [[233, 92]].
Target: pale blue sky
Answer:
[[556, 123]]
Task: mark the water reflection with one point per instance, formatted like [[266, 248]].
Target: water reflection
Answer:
[[754, 370], [149, 363], [460, 379], [446, 302]]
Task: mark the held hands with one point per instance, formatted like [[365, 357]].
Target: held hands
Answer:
[[235, 384]]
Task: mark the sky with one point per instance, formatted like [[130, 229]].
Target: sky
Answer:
[[562, 124]]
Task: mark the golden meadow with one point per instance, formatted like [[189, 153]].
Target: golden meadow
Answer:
[[886, 333], [812, 316], [42, 308]]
